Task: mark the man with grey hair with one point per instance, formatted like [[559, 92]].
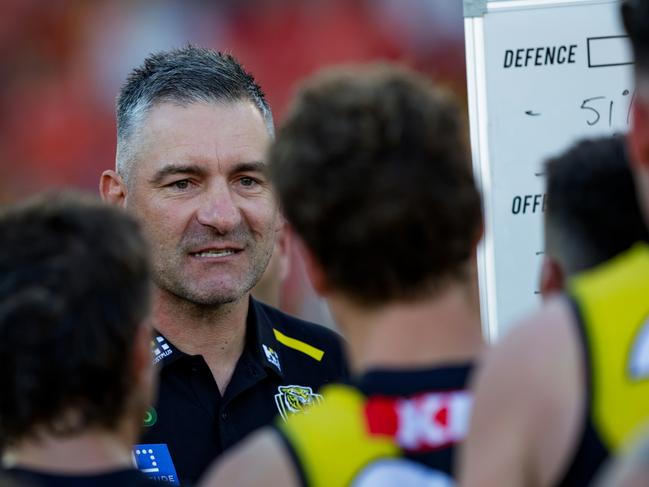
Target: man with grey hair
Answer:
[[193, 128]]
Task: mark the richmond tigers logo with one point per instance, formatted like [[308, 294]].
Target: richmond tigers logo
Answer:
[[294, 399]]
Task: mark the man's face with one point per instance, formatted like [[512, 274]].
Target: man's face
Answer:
[[200, 189]]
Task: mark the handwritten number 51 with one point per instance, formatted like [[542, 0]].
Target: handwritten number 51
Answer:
[[593, 107]]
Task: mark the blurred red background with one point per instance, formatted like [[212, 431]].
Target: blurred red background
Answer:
[[63, 62]]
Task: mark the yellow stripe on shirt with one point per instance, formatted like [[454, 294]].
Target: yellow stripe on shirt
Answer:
[[298, 345]]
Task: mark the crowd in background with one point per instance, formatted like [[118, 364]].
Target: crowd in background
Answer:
[[62, 62]]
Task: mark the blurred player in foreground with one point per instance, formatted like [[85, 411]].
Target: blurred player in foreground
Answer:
[[76, 374], [372, 172]]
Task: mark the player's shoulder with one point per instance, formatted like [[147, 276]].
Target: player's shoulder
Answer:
[[550, 328], [266, 450], [343, 405], [535, 354], [525, 390]]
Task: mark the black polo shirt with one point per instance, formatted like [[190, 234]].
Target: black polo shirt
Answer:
[[284, 362]]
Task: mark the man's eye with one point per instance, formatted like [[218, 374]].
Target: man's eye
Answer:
[[247, 182], [181, 184]]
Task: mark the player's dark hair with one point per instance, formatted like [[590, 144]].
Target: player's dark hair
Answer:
[[592, 211], [74, 287], [635, 15], [372, 171]]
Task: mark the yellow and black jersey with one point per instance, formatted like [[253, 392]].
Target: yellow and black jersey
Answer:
[[612, 306], [390, 428]]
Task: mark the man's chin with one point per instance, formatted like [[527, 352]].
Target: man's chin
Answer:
[[205, 290], [212, 298]]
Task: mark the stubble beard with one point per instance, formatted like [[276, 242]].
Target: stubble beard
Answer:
[[168, 276]]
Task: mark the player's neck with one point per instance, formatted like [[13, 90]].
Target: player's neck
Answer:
[[442, 329], [215, 332], [89, 452]]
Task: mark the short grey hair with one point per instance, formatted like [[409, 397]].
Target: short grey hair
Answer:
[[183, 76]]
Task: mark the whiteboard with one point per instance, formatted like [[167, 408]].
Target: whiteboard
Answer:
[[541, 75]]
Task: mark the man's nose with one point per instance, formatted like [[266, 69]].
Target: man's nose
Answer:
[[219, 209]]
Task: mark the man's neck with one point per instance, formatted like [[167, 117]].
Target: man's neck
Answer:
[[440, 330], [89, 452], [216, 332]]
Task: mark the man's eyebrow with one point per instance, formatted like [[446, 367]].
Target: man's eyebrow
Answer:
[[256, 166], [171, 169]]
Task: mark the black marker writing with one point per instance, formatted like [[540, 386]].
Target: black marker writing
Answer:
[[540, 56]]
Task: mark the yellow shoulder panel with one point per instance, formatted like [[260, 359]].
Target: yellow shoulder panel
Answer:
[[614, 304], [331, 439]]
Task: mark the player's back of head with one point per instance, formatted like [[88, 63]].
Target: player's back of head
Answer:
[[73, 293], [635, 15], [372, 171], [592, 209]]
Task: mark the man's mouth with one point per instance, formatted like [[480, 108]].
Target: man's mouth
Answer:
[[214, 253]]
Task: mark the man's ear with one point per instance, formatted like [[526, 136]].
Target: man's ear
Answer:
[[552, 277], [112, 188], [311, 265]]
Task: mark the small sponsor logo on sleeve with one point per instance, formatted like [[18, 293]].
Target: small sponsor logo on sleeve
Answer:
[[150, 417], [271, 356], [155, 462]]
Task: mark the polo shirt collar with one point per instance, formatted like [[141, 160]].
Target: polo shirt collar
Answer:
[[164, 352], [260, 344], [261, 338]]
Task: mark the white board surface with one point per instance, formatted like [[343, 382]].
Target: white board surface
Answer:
[[541, 74]]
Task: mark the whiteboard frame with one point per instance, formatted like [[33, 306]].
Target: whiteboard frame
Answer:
[[477, 104], [479, 137], [503, 5]]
